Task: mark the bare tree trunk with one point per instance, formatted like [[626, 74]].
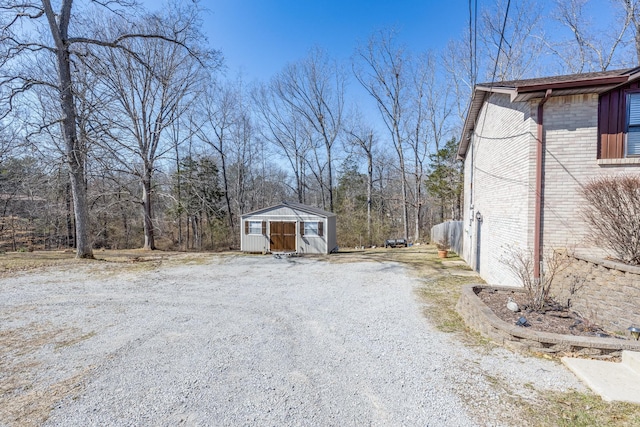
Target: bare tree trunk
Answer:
[[418, 206], [330, 177], [149, 239], [74, 150], [369, 194], [225, 183], [403, 178], [70, 240]]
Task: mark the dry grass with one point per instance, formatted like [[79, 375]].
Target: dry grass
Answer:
[[441, 285], [116, 260], [24, 400], [440, 291], [575, 409]]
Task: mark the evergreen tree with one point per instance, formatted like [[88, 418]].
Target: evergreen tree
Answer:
[[445, 181]]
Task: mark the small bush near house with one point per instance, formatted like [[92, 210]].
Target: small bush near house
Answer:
[[613, 214], [520, 262]]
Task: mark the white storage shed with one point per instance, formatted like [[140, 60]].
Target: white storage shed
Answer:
[[289, 228]]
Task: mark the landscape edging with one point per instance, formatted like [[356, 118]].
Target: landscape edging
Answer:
[[478, 316]]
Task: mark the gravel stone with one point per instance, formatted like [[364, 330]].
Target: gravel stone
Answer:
[[259, 341]]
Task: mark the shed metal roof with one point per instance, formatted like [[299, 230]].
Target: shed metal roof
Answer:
[[525, 90], [296, 206]]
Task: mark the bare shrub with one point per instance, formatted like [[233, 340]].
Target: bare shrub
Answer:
[[443, 244], [613, 214], [521, 261]]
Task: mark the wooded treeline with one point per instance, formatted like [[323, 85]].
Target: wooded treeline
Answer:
[[119, 128]]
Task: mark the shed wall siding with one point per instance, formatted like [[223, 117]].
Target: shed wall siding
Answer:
[[304, 244], [502, 178]]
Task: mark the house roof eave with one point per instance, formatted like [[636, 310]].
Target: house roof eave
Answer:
[[526, 90], [477, 101]]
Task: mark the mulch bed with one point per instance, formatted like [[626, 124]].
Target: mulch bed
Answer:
[[554, 318]]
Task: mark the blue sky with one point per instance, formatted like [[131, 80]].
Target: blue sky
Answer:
[[259, 37]]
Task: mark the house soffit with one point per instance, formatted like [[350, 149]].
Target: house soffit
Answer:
[[526, 90]]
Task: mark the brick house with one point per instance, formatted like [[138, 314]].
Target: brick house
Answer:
[[528, 146]]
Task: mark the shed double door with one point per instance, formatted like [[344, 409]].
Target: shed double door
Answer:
[[282, 236]]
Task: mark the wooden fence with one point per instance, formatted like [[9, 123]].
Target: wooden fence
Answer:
[[452, 229]]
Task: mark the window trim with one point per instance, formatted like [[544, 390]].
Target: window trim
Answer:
[[628, 94], [318, 231], [251, 230], [311, 231]]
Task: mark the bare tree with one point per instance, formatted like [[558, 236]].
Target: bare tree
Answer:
[[285, 131], [588, 49], [631, 15], [149, 90], [16, 80], [34, 33], [362, 137], [522, 40], [427, 125], [245, 149], [460, 76], [220, 110], [381, 67], [227, 127], [314, 88]]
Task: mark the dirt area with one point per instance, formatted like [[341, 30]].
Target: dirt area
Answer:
[[554, 318]]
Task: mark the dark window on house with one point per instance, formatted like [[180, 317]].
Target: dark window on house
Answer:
[[633, 124], [619, 123]]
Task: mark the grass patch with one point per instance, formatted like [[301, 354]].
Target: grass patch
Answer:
[[575, 409], [25, 400], [129, 259], [440, 289], [73, 341], [13, 262]]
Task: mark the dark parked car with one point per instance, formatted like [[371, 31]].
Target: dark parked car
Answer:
[[395, 243]]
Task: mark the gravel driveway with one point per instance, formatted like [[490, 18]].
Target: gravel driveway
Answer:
[[246, 341]]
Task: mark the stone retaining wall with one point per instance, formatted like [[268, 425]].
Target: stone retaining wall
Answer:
[[479, 317], [605, 292]]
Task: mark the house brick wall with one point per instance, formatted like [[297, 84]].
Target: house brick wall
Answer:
[[500, 174], [570, 161], [498, 183]]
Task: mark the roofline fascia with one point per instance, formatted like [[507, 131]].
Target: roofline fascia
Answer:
[[630, 78], [601, 81], [464, 140], [515, 91], [511, 91]]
